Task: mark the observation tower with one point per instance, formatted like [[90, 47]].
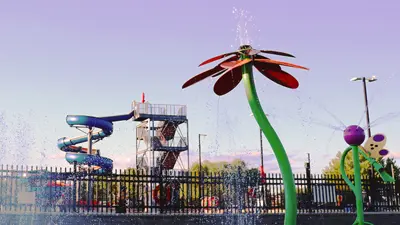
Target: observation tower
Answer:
[[161, 136]]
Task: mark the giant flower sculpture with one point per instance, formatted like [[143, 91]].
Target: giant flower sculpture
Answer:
[[373, 150], [239, 66]]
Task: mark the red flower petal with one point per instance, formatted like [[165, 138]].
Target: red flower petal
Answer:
[[218, 70], [228, 64], [264, 65], [219, 73], [228, 81], [202, 76], [237, 64], [231, 61], [277, 53], [217, 58], [278, 76], [280, 63]]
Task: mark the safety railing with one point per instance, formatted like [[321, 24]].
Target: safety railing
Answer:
[[131, 191], [159, 109]]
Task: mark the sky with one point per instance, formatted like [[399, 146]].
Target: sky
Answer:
[[96, 57]]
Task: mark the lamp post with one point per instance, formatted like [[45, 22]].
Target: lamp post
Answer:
[[365, 80], [262, 162], [200, 135], [261, 145], [200, 169]]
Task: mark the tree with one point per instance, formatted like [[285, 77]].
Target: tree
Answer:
[[253, 176], [213, 172], [83, 191], [128, 176], [235, 165], [388, 163], [334, 165], [209, 167]]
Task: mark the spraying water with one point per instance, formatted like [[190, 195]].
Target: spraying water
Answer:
[[16, 139], [246, 29], [3, 138], [23, 139], [382, 119], [244, 32]]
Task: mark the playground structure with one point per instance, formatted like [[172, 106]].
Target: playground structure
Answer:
[[372, 150], [159, 137], [89, 156]]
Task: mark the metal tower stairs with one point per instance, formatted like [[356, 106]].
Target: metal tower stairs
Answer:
[[161, 135]]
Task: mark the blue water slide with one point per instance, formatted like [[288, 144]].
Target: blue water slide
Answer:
[[79, 154]]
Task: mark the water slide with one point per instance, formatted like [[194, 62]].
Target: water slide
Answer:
[[81, 155]]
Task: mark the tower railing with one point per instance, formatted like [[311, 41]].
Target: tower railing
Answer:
[[159, 109]]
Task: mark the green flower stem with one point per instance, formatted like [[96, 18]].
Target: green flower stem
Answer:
[[357, 184], [356, 188], [343, 171], [276, 145]]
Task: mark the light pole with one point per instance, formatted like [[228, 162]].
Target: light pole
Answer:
[[262, 161], [309, 185], [365, 80], [200, 169], [261, 145], [200, 135]]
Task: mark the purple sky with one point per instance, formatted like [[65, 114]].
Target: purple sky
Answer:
[[96, 57]]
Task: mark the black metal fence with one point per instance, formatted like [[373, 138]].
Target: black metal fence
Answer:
[[24, 189]]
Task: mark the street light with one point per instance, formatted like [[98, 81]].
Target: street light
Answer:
[[261, 144], [200, 170], [365, 80], [200, 135]]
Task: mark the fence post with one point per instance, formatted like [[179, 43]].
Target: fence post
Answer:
[[309, 188], [240, 190], [201, 188], [397, 193], [74, 189], [162, 191]]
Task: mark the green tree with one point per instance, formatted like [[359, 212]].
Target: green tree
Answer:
[[235, 165], [83, 191], [253, 175], [334, 165], [128, 177], [219, 166], [388, 163], [215, 173]]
